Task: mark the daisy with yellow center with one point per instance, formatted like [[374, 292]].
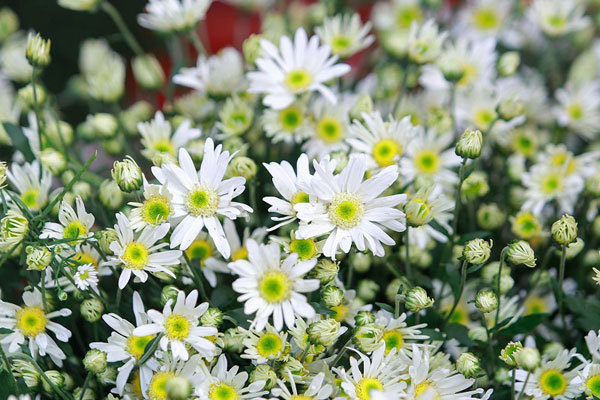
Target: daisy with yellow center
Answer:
[[157, 137], [138, 253], [289, 125], [397, 335], [578, 107], [73, 224], [329, 128], [179, 326], [545, 184], [86, 277], [345, 34], [155, 210], [526, 225], [265, 346], [221, 383], [272, 287], [317, 389], [32, 182]]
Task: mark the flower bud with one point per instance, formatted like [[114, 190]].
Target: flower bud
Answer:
[[528, 358], [452, 66], [87, 395], [38, 257], [95, 361], [478, 333], [367, 289], [508, 63], [324, 332], [486, 301], [233, 340], [552, 349], [139, 111], [332, 296], [56, 378], [251, 48], [508, 353], [9, 23], [148, 72], [469, 144], [417, 299], [364, 318], [106, 237], [477, 251], [362, 106], [80, 5], [325, 271], [178, 388], [82, 189], [265, 373], [392, 289], [110, 195], [91, 309], [295, 367], [468, 365], [510, 108], [54, 161], [475, 185], [167, 293], [127, 174], [212, 317], [418, 212], [244, 167], [520, 252], [38, 51], [368, 337], [3, 169], [13, 229], [490, 216], [564, 231], [28, 100], [104, 125], [360, 262], [27, 371]]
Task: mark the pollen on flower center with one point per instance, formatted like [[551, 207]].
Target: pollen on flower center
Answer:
[[330, 130], [305, 248], [423, 388], [427, 161], [393, 340], [364, 387], [385, 151], [135, 255], [593, 384], [298, 79], [551, 183], [85, 258], [340, 43], [222, 391], [300, 197], [164, 146], [177, 327], [29, 198], [553, 382], [199, 250], [202, 201], [136, 345], [74, 230], [274, 286], [290, 118], [156, 210], [31, 321], [156, 388], [346, 210], [269, 344], [485, 19]]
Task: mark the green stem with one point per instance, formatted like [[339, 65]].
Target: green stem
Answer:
[[463, 280], [452, 107], [118, 20], [7, 366], [512, 386], [524, 385], [85, 385], [193, 35], [36, 106], [561, 277], [461, 178], [150, 352], [63, 395], [198, 279], [408, 270], [502, 256], [400, 92], [342, 351]]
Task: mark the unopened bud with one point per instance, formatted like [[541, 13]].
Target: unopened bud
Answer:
[[469, 144], [486, 301], [468, 365], [38, 51], [528, 358], [477, 251], [91, 309], [127, 174], [520, 252], [564, 231], [95, 361], [417, 299]]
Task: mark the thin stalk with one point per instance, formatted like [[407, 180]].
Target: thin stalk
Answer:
[[150, 352], [463, 280], [85, 385], [524, 385], [561, 277], [118, 20], [512, 386], [7, 366], [502, 257], [36, 107], [461, 178], [196, 41], [197, 278], [408, 270], [341, 353]]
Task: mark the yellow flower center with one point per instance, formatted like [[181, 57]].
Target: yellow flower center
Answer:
[[274, 286], [427, 161], [393, 340], [156, 210], [385, 152], [136, 345], [339, 44], [406, 15], [575, 111], [85, 258], [562, 158], [298, 79], [240, 254], [470, 73], [269, 345], [340, 312], [164, 146], [290, 118], [553, 382], [485, 19], [222, 391], [423, 388], [593, 385], [74, 230], [177, 327], [156, 388], [551, 183], [535, 305], [364, 387], [346, 210], [135, 255], [556, 21], [202, 201], [31, 321], [30, 199], [300, 197], [199, 250], [523, 142], [526, 226], [330, 130], [305, 248], [483, 118]]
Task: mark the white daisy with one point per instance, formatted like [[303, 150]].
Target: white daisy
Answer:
[[86, 277], [429, 204], [202, 250], [266, 345], [269, 286], [396, 332], [294, 68], [482, 18], [592, 341], [157, 137], [200, 196], [317, 389], [32, 182], [73, 225], [544, 184], [154, 211], [382, 141], [329, 129], [171, 16], [187, 369], [289, 125], [350, 210], [138, 253], [221, 383], [123, 346], [579, 108], [30, 323], [180, 327], [558, 17], [345, 34], [425, 42]]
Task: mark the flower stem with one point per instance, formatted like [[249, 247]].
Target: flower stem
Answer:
[[193, 35], [502, 256], [85, 385], [56, 389], [197, 279], [118, 20], [524, 385], [463, 279], [561, 277], [461, 178], [407, 244]]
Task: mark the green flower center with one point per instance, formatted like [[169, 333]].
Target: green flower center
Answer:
[[31, 321], [406, 15], [593, 384], [553, 382], [199, 250], [330, 130], [269, 345], [74, 230], [305, 248], [135, 255], [202, 201], [30, 199], [156, 388], [136, 345], [346, 210], [290, 118], [485, 19], [393, 340], [297, 80], [156, 210], [164, 146], [222, 391], [339, 44], [364, 387], [274, 286], [385, 151], [427, 161], [551, 184]]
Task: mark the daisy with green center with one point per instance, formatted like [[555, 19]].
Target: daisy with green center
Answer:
[[86, 277], [383, 372], [330, 128], [200, 197], [32, 182], [172, 16], [589, 380], [154, 211], [294, 68], [124, 347], [349, 210], [289, 125], [545, 184], [179, 326], [305, 248], [382, 141], [397, 16], [30, 324], [525, 225], [75, 225], [578, 108], [266, 345], [202, 250], [396, 332], [157, 137], [272, 287], [221, 383], [483, 18], [139, 253], [317, 389], [171, 368], [429, 204], [558, 17], [345, 34]]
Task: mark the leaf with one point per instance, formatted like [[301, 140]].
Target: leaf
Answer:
[[321, 309], [434, 334], [500, 324], [474, 268], [473, 235], [7, 385], [5, 331], [524, 324], [460, 333], [385, 307], [19, 140]]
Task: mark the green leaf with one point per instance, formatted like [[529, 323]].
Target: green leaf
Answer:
[[524, 324], [473, 235], [321, 309], [19, 140], [5, 331], [385, 307], [474, 268], [460, 333], [433, 334], [7, 385]]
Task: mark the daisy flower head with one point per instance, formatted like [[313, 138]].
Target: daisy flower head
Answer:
[[483, 18], [272, 287], [31, 324], [317, 389], [75, 225], [199, 197], [579, 108], [173, 368], [425, 42], [558, 17], [225, 384], [382, 141], [123, 346], [158, 139], [289, 125], [32, 182], [179, 326], [86, 277], [345, 34], [350, 210], [171, 16], [294, 68], [590, 381], [329, 129], [397, 15], [396, 332], [266, 345], [544, 184], [154, 211], [139, 253], [424, 206]]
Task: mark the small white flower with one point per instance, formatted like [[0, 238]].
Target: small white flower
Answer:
[[579, 108], [154, 210], [157, 137], [73, 225], [317, 389], [86, 277], [223, 383], [32, 183], [425, 42], [558, 17], [345, 34], [173, 15]]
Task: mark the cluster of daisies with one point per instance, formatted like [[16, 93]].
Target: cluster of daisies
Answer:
[[382, 200]]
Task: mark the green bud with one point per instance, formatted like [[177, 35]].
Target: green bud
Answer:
[[417, 299], [110, 195], [212, 317], [468, 365], [148, 72], [364, 318], [127, 174], [469, 144], [486, 301], [38, 257], [477, 251], [332, 296], [9, 23], [528, 358], [95, 361], [178, 388], [508, 353], [264, 372], [564, 231], [244, 167], [91, 309], [251, 48], [56, 378], [367, 289], [38, 51], [508, 63], [28, 100], [520, 252], [167, 293]]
